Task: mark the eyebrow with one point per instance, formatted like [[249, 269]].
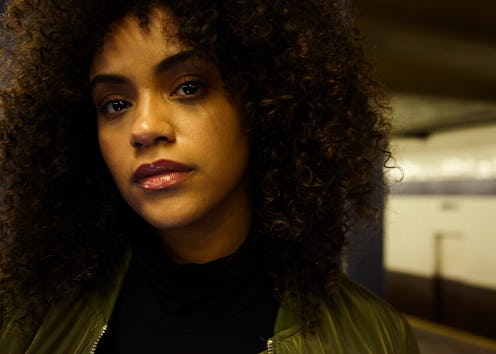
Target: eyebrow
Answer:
[[165, 65], [107, 79], [174, 60]]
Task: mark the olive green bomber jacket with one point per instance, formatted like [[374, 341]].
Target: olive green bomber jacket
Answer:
[[351, 321]]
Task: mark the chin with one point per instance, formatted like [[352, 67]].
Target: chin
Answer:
[[165, 221]]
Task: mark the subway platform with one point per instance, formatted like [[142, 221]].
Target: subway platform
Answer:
[[437, 339]]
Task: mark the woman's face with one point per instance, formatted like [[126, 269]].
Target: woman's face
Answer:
[[172, 137]]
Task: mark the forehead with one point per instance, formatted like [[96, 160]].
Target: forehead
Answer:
[[159, 35]]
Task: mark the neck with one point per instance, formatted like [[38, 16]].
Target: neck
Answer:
[[217, 235]]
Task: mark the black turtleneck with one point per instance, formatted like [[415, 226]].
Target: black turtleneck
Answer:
[[225, 306]]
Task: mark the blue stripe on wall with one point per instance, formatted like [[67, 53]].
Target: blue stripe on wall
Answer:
[[446, 187]]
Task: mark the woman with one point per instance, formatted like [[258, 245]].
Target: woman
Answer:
[[242, 134]]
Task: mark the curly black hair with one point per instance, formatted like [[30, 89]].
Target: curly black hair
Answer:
[[318, 132]]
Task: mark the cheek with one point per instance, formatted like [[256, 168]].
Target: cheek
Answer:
[[226, 130], [232, 148], [105, 147], [110, 153]]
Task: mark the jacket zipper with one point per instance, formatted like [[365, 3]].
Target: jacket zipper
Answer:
[[270, 343], [271, 348], [95, 343]]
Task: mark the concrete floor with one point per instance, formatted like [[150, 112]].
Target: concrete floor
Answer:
[[437, 339]]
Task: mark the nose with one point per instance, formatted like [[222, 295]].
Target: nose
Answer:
[[152, 124]]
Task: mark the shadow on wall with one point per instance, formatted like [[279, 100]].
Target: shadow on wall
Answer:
[[364, 256]]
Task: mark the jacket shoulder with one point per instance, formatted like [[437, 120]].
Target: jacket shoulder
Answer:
[[355, 315], [15, 334], [351, 320]]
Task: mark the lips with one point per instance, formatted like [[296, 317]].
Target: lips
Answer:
[[161, 174]]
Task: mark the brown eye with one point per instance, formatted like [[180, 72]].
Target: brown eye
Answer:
[[114, 106], [189, 89]]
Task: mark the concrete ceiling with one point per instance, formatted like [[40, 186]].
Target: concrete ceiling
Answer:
[[437, 57]]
